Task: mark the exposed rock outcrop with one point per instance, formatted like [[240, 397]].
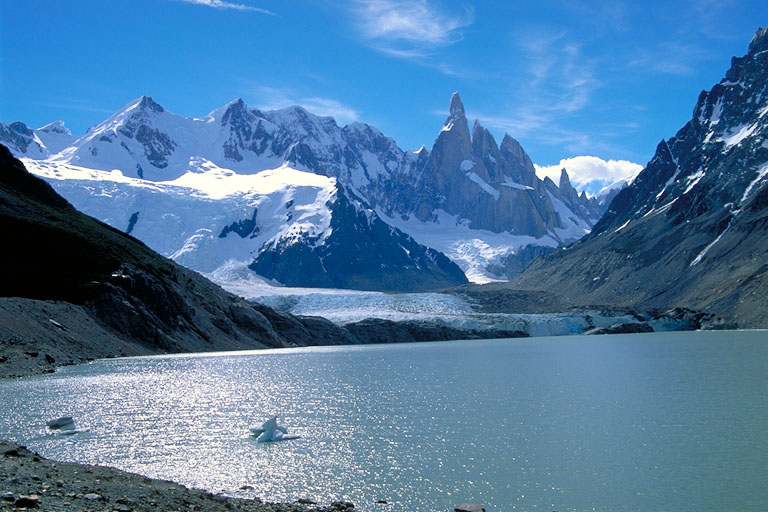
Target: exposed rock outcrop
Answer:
[[691, 230]]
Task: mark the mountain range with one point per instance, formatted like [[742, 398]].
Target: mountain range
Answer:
[[301, 201], [692, 228]]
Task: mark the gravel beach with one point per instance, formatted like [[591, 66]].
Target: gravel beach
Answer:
[[29, 481]]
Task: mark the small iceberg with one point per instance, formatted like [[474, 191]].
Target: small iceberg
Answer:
[[64, 426], [63, 423], [270, 431]]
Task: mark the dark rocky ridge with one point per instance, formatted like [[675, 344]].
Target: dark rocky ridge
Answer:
[[362, 252], [692, 229]]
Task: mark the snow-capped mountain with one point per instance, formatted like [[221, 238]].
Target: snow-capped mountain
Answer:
[[691, 229], [294, 227], [39, 144], [478, 203]]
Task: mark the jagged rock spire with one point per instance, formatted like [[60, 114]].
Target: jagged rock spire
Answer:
[[457, 107], [759, 41]]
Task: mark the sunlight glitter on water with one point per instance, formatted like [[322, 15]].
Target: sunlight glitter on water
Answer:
[[638, 422]]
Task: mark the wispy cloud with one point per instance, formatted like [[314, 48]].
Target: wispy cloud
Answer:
[[270, 98], [410, 29], [559, 83], [73, 104], [562, 77], [221, 4], [670, 58]]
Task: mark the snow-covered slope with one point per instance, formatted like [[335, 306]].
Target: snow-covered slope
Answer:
[[211, 219], [40, 144], [480, 203]]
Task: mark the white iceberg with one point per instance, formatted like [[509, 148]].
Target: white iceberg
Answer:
[[270, 431], [64, 426], [63, 423]]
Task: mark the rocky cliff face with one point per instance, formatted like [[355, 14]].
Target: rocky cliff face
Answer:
[[384, 258], [494, 188], [692, 229]]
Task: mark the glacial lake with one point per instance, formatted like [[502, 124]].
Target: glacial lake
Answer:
[[663, 421]]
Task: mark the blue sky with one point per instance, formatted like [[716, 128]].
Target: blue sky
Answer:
[[566, 78]]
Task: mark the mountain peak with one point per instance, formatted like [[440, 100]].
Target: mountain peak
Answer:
[[234, 112], [457, 107], [565, 181], [55, 127], [759, 41], [148, 103], [509, 143]]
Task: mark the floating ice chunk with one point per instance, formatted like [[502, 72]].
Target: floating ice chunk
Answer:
[[62, 423], [270, 431], [64, 426]]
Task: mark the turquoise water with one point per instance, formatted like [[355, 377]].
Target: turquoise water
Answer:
[[666, 421]]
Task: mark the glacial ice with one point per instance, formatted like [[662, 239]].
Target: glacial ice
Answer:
[[270, 432]]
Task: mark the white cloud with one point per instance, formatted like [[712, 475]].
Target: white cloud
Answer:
[[591, 173], [409, 28], [221, 4], [271, 98]]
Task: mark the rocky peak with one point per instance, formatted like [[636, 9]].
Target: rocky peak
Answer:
[[483, 142], [517, 161], [21, 128], [510, 145], [235, 112], [569, 193], [759, 41], [147, 103], [457, 107], [454, 142], [55, 127]]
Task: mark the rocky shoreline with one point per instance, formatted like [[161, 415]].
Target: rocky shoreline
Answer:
[[32, 482]]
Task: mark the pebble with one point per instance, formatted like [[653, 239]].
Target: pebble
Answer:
[[92, 496], [8, 496]]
